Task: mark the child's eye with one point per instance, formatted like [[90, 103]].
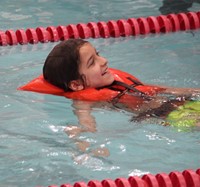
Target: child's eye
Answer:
[[91, 63]]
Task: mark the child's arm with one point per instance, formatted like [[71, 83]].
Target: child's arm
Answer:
[[182, 92], [82, 110], [162, 104]]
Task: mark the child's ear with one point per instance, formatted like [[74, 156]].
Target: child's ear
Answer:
[[76, 85]]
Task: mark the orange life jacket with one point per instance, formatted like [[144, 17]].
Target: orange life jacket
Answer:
[[40, 85]]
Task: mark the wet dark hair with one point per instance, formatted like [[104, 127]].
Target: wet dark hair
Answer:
[[62, 64]]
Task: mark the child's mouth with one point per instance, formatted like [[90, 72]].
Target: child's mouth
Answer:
[[105, 71]]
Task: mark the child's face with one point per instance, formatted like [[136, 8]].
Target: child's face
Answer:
[[94, 67]]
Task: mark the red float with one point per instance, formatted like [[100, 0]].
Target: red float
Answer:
[[21, 37], [174, 22], [72, 31], [177, 179], [94, 183], [84, 31], [3, 39], [144, 26], [188, 178], [134, 25], [32, 36], [11, 37], [124, 28], [165, 25], [62, 32], [103, 29], [43, 35], [112, 28], [184, 21], [94, 29], [194, 20], [53, 33], [153, 24]]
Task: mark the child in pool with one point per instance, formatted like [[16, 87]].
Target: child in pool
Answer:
[[74, 65]]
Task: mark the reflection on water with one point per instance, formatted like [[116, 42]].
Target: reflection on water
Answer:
[[177, 6]]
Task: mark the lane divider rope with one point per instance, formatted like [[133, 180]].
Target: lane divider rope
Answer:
[[187, 178], [101, 29]]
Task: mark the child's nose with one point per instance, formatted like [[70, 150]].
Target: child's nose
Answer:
[[103, 61]]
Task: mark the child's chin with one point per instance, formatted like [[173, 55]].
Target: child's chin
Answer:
[[109, 80]]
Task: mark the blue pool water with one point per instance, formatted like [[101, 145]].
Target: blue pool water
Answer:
[[34, 150]]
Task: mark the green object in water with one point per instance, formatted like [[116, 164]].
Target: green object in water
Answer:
[[185, 116]]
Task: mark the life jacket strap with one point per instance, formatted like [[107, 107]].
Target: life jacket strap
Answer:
[[136, 82], [127, 87]]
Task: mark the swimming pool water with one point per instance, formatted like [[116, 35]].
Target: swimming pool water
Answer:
[[33, 13], [34, 148]]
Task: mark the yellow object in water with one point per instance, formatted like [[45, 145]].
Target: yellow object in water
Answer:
[[185, 116]]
